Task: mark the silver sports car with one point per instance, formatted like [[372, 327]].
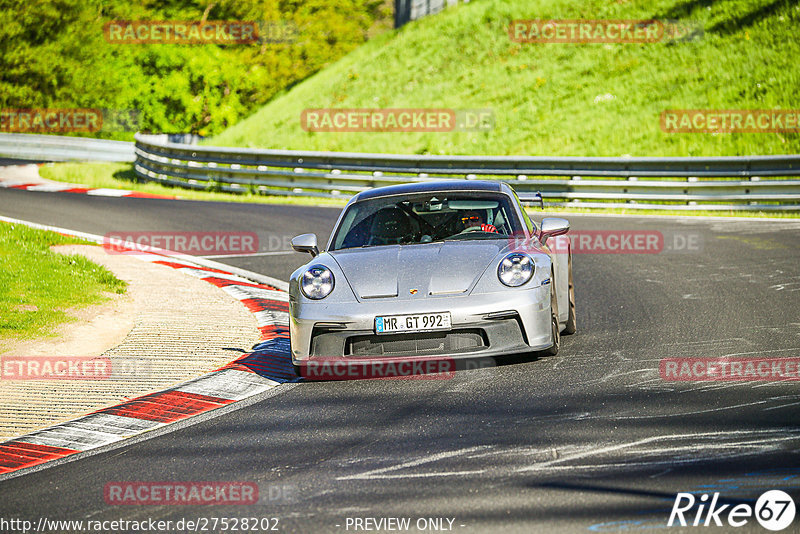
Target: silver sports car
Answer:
[[453, 268]]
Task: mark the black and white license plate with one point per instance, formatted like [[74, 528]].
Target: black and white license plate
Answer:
[[418, 322]]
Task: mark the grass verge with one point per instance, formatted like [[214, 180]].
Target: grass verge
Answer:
[[38, 286]]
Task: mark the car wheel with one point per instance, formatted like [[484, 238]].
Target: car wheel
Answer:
[[571, 322], [554, 325]]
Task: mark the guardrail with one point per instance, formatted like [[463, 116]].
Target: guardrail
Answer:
[[63, 148], [719, 183]]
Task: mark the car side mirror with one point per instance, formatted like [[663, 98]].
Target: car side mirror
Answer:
[[306, 243], [553, 226]]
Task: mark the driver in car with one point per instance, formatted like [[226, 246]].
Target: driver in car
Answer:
[[473, 220]]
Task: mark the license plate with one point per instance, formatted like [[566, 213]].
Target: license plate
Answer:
[[418, 322]]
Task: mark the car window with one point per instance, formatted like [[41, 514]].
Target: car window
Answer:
[[426, 218], [532, 228]]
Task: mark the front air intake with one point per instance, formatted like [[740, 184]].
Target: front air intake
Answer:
[[426, 343]]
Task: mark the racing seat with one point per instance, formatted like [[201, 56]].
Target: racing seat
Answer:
[[390, 226]]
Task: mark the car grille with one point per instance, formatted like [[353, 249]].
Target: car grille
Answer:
[[456, 341]]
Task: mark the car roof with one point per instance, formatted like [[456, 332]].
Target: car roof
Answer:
[[431, 187]]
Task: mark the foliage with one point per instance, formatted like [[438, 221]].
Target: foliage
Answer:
[[54, 54]]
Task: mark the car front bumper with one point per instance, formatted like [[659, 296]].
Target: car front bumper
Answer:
[[483, 325]]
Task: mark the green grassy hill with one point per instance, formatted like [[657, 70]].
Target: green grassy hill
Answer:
[[555, 99]]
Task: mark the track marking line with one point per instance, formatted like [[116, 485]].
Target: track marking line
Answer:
[[379, 473], [621, 446]]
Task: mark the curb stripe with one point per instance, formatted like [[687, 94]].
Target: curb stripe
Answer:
[[71, 437], [99, 192], [245, 293], [260, 304], [234, 384], [205, 275], [167, 406], [18, 455], [114, 424], [225, 282], [273, 332], [89, 432], [176, 265]]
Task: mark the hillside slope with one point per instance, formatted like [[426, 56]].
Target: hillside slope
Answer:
[[555, 99]]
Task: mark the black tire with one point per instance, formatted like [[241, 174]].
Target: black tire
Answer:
[[572, 326], [555, 327]]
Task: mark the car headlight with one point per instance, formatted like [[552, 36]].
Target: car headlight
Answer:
[[317, 282], [515, 269]]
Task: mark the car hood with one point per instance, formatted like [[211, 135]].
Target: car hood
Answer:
[[442, 268]]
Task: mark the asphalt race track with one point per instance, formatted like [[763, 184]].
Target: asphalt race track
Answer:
[[14, 161], [593, 439]]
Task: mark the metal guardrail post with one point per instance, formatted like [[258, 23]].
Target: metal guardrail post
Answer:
[[62, 148], [765, 183], [748, 182]]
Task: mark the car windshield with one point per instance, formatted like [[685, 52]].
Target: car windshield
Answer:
[[426, 218]]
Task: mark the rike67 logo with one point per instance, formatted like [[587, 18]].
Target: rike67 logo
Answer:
[[774, 510]]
